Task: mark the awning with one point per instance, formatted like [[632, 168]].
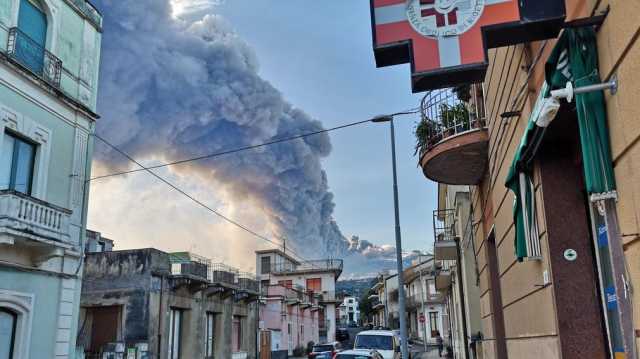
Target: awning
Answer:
[[579, 46], [519, 179], [574, 58]]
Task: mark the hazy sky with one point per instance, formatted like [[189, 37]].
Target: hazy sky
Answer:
[[319, 55]]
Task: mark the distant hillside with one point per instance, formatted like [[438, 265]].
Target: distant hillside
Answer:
[[355, 287]]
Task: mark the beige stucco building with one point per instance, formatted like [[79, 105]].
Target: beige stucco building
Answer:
[[571, 294]]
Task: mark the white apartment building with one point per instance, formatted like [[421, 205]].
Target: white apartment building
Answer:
[[349, 311]]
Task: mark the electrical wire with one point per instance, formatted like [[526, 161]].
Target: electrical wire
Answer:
[[247, 148], [200, 203]]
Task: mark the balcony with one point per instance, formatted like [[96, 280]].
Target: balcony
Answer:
[[33, 57], [89, 11], [224, 275], [376, 304], [453, 140], [248, 283], [322, 265], [38, 223], [445, 245], [443, 280]]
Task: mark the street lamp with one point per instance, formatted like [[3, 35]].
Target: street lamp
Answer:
[[401, 304]]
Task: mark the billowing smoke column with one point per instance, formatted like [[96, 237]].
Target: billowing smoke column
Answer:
[[172, 90]]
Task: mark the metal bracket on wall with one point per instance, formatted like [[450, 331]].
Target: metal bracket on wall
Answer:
[[596, 20]]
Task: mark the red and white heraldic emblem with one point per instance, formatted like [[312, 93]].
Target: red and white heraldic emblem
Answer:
[[443, 33], [446, 41]]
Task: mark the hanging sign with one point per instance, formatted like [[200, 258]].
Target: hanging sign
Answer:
[[446, 41]]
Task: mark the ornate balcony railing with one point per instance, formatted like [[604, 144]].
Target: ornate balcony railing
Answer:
[[35, 58], [20, 213], [445, 115]]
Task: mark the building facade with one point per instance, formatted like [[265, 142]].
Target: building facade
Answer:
[[49, 61], [553, 215], [426, 311], [276, 268], [349, 311], [146, 303]]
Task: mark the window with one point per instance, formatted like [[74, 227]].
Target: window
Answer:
[[209, 332], [8, 321], [16, 164], [32, 37], [314, 284], [175, 329], [265, 265]]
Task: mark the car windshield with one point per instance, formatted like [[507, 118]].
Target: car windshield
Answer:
[[322, 348], [381, 342], [352, 356]]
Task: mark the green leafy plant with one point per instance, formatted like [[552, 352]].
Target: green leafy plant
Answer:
[[424, 131], [455, 118]]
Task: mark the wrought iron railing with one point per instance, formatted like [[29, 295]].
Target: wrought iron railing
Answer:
[[248, 282], [34, 57], [89, 11], [446, 113], [444, 225], [222, 273], [189, 264], [322, 264]]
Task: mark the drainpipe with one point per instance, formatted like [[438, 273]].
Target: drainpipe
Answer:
[[462, 303]]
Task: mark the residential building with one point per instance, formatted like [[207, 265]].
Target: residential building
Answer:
[[275, 267], [349, 310], [378, 299], [457, 272], [292, 317], [391, 301], [49, 60], [426, 311], [553, 194], [146, 303]]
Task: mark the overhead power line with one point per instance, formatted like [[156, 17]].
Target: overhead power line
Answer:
[[200, 203], [246, 148]]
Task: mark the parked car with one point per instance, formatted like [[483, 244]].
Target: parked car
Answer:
[[342, 334], [324, 351], [359, 354], [383, 341]]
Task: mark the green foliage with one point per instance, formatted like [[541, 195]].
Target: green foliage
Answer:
[[463, 92], [365, 304], [423, 132], [455, 117]]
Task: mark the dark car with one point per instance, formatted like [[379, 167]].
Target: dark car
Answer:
[[342, 334], [324, 351]]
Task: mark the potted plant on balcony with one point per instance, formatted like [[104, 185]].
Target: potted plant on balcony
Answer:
[[426, 132], [455, 118]]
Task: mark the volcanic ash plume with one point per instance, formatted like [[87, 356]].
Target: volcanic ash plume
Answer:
[[173, 89]]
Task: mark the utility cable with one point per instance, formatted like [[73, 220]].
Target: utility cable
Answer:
[[200, 203], [246, 148]]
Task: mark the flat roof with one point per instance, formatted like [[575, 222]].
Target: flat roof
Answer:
[[279, 252]]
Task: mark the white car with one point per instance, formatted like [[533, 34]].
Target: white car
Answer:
[[359, 354], [384, 342]]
